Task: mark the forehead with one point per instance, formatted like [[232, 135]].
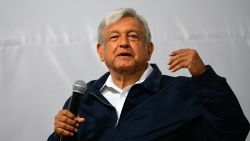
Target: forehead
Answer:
[[126, 23]]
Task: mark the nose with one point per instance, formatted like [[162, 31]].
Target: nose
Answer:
[[124, 43]]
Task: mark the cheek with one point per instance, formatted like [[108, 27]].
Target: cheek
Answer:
[[139, 49], [110, 48], [142, 54], [108, 52]]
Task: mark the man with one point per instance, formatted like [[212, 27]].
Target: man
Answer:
[[135, 102]]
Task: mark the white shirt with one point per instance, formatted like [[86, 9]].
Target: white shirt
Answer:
[[117, 96]]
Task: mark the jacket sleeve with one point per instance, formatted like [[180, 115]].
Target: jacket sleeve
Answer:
[[54, 137], [222, 115]]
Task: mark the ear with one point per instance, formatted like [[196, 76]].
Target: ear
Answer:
[[99, 49], [150, 48]]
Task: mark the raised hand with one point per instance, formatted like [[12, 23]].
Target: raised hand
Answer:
[[186, 58]]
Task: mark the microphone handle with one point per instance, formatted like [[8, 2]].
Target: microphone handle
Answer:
[[73, 108], [74, 103]]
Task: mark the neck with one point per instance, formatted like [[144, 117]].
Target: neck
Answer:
[[125, 78]]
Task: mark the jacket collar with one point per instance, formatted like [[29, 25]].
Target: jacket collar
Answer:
[[152, 82]]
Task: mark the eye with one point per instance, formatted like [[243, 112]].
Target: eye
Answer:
[[133, 37], [113, 37]]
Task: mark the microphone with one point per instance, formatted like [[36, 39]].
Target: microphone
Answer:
[[79, 88]]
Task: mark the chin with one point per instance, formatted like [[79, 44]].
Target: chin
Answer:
[[124, 67]]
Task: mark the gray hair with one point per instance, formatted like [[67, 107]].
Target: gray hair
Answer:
[[116, 15]]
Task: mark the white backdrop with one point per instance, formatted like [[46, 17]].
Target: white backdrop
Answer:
[[45, 45]]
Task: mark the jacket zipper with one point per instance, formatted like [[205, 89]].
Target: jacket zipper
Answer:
[[105, 104], [101, 100]]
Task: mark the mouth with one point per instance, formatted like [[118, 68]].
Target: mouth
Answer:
[[124, 54]]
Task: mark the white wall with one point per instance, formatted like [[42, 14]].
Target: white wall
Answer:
[[45, 45]]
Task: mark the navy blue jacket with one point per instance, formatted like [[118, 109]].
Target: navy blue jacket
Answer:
[[164, 108]]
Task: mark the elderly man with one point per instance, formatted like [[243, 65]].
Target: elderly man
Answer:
[[135, 102]]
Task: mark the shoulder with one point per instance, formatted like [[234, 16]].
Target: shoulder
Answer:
[[171, 80]]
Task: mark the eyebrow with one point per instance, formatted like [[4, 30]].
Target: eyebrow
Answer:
[[113, 32], [132, 30]]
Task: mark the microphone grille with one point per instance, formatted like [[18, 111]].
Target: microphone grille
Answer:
[[79, 86]]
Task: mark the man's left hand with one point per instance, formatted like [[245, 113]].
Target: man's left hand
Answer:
[[186, 58]]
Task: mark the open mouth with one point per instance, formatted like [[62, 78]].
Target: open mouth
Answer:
[[124, 54]]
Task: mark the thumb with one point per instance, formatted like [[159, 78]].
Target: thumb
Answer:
[[80, 119]]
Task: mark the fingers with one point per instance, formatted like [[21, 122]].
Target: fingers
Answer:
[[186, 58], [65, 123], [63, 132], [178, 64], [177, 51], [179, 59], [65, 118]]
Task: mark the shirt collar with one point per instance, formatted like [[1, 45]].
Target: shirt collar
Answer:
[[110, 84]]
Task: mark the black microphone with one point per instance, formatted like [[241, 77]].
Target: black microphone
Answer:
[[79, 88]]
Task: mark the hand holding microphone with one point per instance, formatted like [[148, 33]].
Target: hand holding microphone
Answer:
[[66, 121]]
